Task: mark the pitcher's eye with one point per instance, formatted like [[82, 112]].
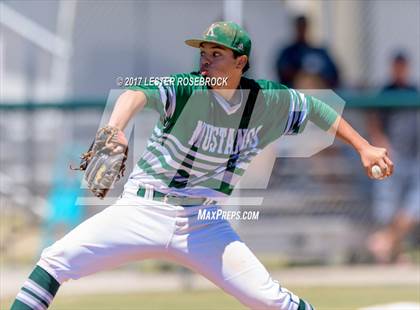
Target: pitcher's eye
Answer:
[[216, 54]]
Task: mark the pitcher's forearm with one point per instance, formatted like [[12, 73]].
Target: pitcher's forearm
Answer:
[[128, 104], [345, 132], [370, 155]]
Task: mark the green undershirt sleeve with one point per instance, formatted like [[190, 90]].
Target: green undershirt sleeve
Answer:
[[321, 113]]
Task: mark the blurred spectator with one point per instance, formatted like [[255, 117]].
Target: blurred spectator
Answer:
[[302, 62], [396, 200]]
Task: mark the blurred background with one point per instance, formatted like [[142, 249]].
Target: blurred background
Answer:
[[321, 216]]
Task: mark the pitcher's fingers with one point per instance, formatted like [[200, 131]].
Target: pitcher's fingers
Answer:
[[384, 169], [390, 165]]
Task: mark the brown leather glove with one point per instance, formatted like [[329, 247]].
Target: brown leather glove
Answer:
[[104, 162]]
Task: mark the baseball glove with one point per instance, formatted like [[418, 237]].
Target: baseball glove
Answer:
[[104, 162]]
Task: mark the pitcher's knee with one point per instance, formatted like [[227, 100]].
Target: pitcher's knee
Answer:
[[59, 261]]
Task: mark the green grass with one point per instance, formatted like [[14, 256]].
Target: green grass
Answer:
[[324, 298], [346, 298]]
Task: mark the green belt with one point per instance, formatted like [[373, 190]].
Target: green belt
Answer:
[[176, 200]]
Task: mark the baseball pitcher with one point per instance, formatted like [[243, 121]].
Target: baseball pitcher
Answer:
[[212, 124]]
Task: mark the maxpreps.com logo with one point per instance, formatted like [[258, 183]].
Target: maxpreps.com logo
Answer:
[[219, 214]]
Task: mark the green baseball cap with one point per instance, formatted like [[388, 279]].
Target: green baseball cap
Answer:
[[228, 34]]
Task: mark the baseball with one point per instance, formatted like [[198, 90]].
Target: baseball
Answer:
[[376, 172]]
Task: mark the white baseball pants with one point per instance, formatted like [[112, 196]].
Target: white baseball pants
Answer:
[[135, 228]]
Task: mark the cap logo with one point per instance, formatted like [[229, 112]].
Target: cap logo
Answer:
[[240, 46], [210, 31]]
